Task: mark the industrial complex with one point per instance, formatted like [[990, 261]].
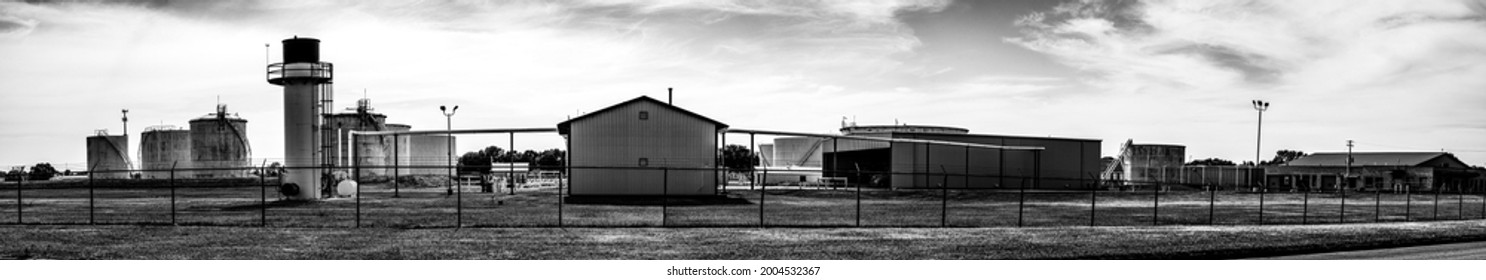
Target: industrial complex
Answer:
[[645, 146]]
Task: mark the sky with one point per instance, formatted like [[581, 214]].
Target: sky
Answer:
[[1391, 75]]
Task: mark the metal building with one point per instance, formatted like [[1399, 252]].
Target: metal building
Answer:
[[1386, 171], [646, 135], [162, 148], [108, 155], [429, 154], [219, 145], [1065, 163], [307, 91]]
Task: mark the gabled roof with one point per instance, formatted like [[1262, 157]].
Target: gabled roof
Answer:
[[564, 127], [1373, 159]]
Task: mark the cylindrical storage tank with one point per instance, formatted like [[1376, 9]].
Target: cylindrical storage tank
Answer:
[[368, 151], [107, 156], [161, 149], [431, 154], [219, 146], [301, 50], [399, 149]]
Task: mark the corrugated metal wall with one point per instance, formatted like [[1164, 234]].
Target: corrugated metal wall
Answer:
[[619, 138], [1065, 164]]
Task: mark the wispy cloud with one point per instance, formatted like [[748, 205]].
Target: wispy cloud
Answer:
[[1335, 69]]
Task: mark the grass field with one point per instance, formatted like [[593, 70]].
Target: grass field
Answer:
[[241, 203], [1167, 242]]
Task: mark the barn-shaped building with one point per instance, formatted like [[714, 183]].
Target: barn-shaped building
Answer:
[[642, 147]]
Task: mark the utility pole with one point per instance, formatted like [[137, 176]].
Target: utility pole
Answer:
[[1348, 174]]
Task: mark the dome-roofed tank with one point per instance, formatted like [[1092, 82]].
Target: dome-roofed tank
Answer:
[[219, 142], [108, 155], [163, 147]]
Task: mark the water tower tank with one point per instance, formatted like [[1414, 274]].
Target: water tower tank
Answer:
[[108, 156], [161, 147], [219, 142]]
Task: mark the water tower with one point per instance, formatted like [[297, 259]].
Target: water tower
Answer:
[[307, 91]]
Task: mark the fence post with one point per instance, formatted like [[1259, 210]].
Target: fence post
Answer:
[[90, 194], [1460, 202], [1305, 204], [859, 202], [1377, 204], [944, 197], [1263, 188], [1021, 202], [458, 198], [1343, 218], [754, 150], [262, 195], [172, 193], [1156, 204], [357, 179], [397, 171], [763, 191], [1093, 200], [1408, 203], [1436, 202], [20, 183], [560, 184], [665, 194], [1212, 204]]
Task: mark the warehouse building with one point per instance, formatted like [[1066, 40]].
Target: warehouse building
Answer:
[[1066, 163], [636, 138], [1387, 171]]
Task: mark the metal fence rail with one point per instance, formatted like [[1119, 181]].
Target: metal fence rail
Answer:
[[429, 199]]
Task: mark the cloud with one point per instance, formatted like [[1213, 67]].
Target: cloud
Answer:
[[1407, 71], [15, 27]]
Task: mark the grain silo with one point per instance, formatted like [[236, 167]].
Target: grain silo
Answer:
[[219, 145], [162, 148], [368, 151], [108, 155]]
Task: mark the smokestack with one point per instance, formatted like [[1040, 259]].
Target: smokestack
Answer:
[[668, 96]]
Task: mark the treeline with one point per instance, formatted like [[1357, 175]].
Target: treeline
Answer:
[[479, 161]]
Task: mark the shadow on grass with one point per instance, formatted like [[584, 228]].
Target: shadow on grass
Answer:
[[258, 206], [655, 200]]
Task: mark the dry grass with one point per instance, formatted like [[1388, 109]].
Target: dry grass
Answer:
[[1169, 242]]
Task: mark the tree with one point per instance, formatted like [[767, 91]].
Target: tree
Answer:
[[550, 159], [42, 171], [1211, 162], [14, 175], [739, 158], [1284, 156]]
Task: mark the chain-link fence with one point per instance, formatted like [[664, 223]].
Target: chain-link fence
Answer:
[[543, 196]]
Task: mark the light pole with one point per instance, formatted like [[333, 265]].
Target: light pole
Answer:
[[449, 126], [1260, 106], [459, 198]]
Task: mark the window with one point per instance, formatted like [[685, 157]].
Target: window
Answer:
[[644, 162], [644, 115]]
